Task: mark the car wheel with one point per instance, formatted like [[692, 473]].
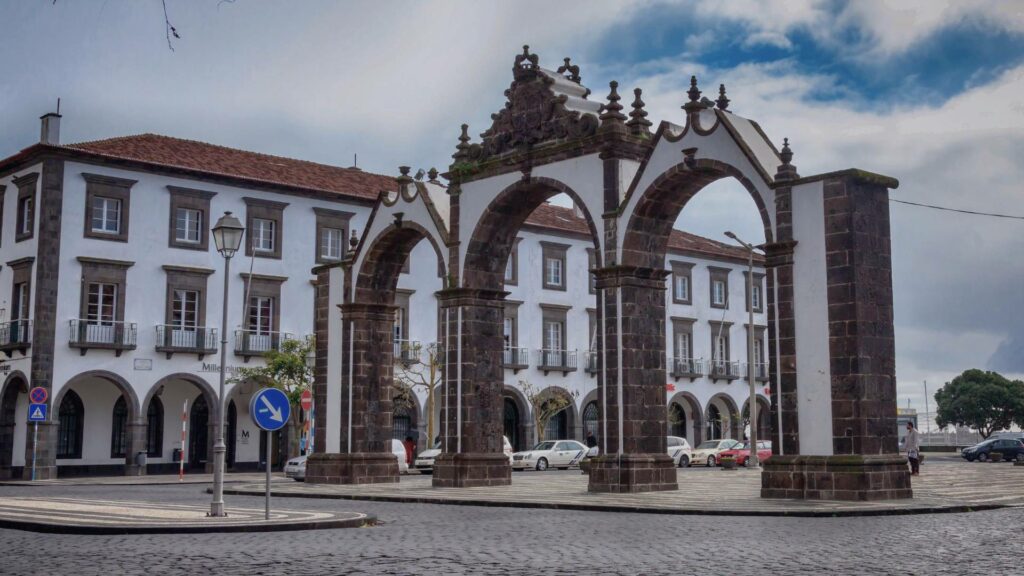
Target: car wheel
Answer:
[[684, 461], [563, 467], [982, 457], [542, 464], [711, 461], [1020, 457]]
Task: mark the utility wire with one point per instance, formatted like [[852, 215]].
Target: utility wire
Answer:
[[957, 210]]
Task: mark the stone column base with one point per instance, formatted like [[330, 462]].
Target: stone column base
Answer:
[[42, 472], [846, 477], [355, 468], [632, 473], [467, 470]]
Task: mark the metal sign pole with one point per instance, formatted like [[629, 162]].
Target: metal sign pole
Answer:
[[35, 441], [266, 514]]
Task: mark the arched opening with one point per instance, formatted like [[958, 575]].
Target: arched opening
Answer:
[[723, 420], [557, 427], [516, 418], [71, 424], [12, 440], [155, 428], [591, 420], [403, 419], [714, 423], [510, 423], [689, 417], [677, 422], [198, 434], [119, 429], [232, 435], [763, 418]]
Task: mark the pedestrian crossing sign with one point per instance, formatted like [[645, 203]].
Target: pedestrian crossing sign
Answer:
[[37, 412]]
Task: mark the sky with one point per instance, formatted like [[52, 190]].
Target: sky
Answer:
[[928, 91]]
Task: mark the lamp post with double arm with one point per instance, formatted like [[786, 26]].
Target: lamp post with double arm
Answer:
[[227, 235], [752, 460]]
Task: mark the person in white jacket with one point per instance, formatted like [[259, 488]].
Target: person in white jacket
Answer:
[[913, 449]]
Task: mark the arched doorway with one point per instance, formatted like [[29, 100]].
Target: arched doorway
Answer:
[[119, 429], [714, 423], [104, 408], [71, 424], [12, 395], [591, 420], [232, 435], [723, 418], [198, 434], [557, 427], [510, 422], [155, 428], [677, 423]]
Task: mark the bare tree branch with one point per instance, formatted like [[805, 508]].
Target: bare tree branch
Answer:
[[169, 29]]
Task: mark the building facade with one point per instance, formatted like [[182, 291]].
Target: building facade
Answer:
[[112, 294]]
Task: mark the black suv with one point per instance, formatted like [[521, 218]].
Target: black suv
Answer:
[[1010, 448]]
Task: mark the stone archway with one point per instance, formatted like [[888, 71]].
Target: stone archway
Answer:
[[722, 418], [516, 418], [15, 385], [100, 410], [764, 425], [694, 414], [173, 390]]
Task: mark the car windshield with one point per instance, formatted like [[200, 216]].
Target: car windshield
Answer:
[[544, 446], [740, 446], [708, 444]]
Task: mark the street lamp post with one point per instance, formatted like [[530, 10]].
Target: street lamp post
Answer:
[[227, 235], [752, 461]]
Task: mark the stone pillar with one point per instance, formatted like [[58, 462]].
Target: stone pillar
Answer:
[[864, 464], [369, 354], [136, 443], [643, 464], [473, 447]]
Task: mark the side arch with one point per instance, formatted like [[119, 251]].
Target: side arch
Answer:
[[571, 412], [524, 427], [730, 416], [694, 411], [378, 267], [204, 388], [134, 408]]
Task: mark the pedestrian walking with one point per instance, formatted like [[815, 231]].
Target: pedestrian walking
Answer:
[[591, 440], [913, 449], [410, 449]]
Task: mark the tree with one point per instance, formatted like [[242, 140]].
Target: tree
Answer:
[[545, 404], [424, 376], [288, 370], [985, 401]]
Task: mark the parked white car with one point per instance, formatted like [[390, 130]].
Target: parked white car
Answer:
[[424, 461], [296, 467], [680, 451], [707, 452], [559, 454]]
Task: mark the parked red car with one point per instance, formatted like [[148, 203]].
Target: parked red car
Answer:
[[741, 452]]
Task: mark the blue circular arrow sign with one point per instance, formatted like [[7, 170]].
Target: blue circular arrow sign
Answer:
[[270, 409]]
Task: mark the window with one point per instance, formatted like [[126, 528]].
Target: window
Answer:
[[69, 433], [591, 277], [190, 217], [681, 346], [155, 428], [758, 351], [185, 309], [119, 429], [261, 315], [264, 226], [19, 306], [553, 330], [719, 287], [107, 207], [682, 272], [330, 234], [755, 297], [509, 333], [512, 265], [330, 243], [718, 293], [262, 235], [106, 215], [553, 259], [101, 304], [24, 225], [188, 226], [510, 269]]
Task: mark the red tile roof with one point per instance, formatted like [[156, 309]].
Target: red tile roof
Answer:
[[220, 160], [564, 219]]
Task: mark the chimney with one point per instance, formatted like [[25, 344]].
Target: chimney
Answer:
[[50, 128]]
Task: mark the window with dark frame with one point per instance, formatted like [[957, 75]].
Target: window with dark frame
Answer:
[[331, 226], [682, 280], [24, 221], [512, 265], [20, 302], [69, 432], [260, 319], [331, 243], [155, 428], [185, 309], [107, 203], [756, 297], [101, 304], [719, 285], [119, 429], [264, 227], [106, 215], [25, 213], [188, 226], [262, 235], [553, 260]]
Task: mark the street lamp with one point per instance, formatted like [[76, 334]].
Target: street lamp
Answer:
[[752, 461], [227, 235]]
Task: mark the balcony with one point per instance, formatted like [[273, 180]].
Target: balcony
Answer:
[[102, 335], [515, 359], [16, 335], [249, 343], [407, 352], [760, 371], [592, 363], [687, 368], [563, 361], [197, 340], [725, 371]]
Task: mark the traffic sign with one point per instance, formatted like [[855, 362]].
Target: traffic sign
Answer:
[[37, 412], [306, 400], [269, 409], [38, 395]]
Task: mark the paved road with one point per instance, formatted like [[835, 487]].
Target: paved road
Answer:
[[437, 539]]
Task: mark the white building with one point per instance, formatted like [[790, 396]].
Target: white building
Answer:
[[111, 297]]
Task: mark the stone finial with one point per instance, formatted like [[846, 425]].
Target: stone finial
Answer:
[[463, 145], [613, 110], [432, 175], [638, 122], [723, 102], [526, 61], [404, 171], [786, 170], [693, 92], [353, 240], [570, 71]]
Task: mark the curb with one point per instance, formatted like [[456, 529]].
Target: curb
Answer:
[[121, 529], [960, 508]]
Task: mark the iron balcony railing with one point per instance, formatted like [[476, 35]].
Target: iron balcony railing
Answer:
[[760, 371], [117, 335], [550, 359], [728, 370], [16, 334], [592, 362], [687, 367], [256, 342], [514, 357], [199, 339], [407, 351]]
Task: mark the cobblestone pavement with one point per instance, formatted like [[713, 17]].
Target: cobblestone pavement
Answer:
[[441, 539]]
